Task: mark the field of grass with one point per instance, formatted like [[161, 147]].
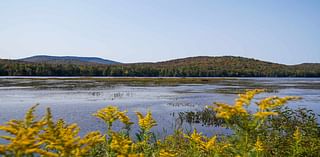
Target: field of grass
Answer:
[[272, 130]]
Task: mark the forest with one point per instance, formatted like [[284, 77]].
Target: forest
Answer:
[[227, 66]]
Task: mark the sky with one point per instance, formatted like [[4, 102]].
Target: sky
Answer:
[[286, 31]]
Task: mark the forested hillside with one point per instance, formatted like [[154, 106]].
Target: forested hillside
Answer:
[[227, 66], [67, 60]]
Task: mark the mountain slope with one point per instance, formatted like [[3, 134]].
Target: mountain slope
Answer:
[[67, 60], [223, 61], [202, 66], [226, 66]]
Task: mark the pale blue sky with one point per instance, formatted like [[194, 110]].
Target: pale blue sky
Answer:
[[284, 31]]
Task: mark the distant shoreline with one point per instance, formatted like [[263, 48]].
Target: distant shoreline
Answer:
[[142, 77]]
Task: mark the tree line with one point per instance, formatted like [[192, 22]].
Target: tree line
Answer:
[[192, 67]]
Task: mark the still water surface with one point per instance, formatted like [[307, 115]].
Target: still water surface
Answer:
[[76, 100]]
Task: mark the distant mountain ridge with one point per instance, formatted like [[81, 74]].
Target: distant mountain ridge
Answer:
[[67, 60], [200, 66]]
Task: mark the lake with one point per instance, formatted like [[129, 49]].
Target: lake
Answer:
[[76, 99]]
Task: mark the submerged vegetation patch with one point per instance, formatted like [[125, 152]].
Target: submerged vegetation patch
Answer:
[[94, 82], [234, 90], [221, 85], [272, 130]]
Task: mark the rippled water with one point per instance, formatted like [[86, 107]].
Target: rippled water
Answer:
[[76, 100]]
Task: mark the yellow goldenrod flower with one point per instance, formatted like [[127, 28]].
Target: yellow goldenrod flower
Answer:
[[108, 114], [146, 122], [258, 146], [211, 143], [227, 111], [201, 142], [63, 138], [264, 114], [167, 153], [24, 135], [124, 118], [274, 101], [247, 97], [42, 152], [297, 135], [89, 141], [120, 144], [195, 137]]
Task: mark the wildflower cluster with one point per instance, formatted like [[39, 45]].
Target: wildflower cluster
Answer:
[[247, 125], [258, 145], [110, 114], [146, 122], [269, 103], [121, 144], [202, 143], [227, 111], [30, 136]]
